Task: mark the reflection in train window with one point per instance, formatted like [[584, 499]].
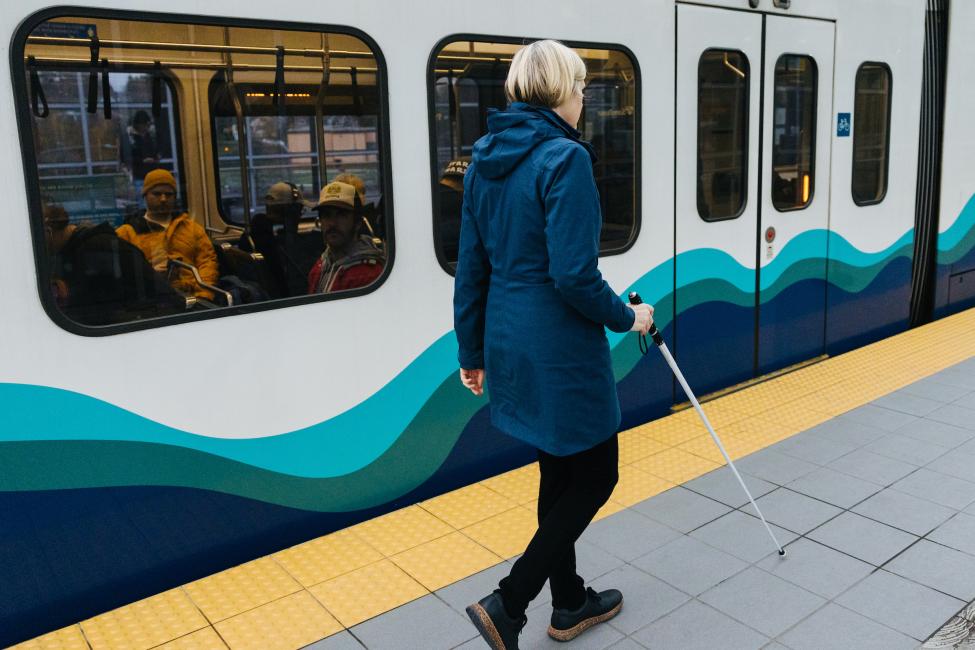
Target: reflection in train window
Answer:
[[93, 164], [794, 132], [467, 80], [722, 134], [871, 133], [131, 124]]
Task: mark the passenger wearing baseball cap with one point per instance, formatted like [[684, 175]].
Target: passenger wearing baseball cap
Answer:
[[351, 260], [164, 233], [288, 253], [451, 200]]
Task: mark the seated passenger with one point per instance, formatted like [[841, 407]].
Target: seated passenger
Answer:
[[370, 212], [163, 234], [289, 254], [98, 279], [451, 201], [351, 259]]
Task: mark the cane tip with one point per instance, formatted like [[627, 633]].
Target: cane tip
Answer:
[[782, 552]]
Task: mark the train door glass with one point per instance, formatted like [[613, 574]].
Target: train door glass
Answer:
[[795, 196], [718, 65], [750, 272]]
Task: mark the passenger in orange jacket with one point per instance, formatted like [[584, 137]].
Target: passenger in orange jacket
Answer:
[[162, 235]]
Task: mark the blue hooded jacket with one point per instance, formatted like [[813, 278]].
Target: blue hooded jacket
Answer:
[[530, 304]]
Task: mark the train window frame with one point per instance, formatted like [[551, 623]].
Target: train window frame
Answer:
[[42, 265], [813, 141], [515, 40], [746, 138], [889, 114]]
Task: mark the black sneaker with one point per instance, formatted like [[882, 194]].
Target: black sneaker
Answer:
[[492, 621], [568, 624]]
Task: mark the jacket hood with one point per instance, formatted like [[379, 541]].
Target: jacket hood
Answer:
[[513, 134]]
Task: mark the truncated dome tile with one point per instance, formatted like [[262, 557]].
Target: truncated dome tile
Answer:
[[145, 623], [291, 622], [372, 590], [241, 588], [327, 557]]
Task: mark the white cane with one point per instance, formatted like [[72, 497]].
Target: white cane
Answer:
[[659, 342]]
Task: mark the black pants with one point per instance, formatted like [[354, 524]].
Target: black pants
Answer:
[[572, 489]]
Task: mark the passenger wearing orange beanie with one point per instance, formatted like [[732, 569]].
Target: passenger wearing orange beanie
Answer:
[[162, 235]]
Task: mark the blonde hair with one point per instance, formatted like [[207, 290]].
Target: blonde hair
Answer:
[[545, 73]]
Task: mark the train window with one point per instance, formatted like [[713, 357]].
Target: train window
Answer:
[[289, 126], [722, 134], [467, 80], [871, 133], [794, 132]]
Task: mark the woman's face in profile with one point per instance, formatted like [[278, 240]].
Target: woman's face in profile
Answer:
[[571, 110]]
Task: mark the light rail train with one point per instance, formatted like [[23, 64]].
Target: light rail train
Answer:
[[782, 180]]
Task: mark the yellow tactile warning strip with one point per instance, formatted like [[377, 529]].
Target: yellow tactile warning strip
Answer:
[[310, 591]]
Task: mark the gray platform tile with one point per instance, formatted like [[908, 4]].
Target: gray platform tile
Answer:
[[690, 565], [628, 534], [862, 538], [774, 467], [816, 568], [793, 511], [958, 377], [775, 645], [627, 644], [933, 389], [958, 533], [901, 510], [940, 433], [901, 604], [681, 509], [813, 448], [721, 485], [695, 626], [967, 400], [442, 627], [472, 588], [473, 644], [954, 463], [939, 567], [934, 486], [341, 641], [879, 417], [872, 467], [535, 634], [907, 403], [742, 536], [645, 598], [967, 448], [836, 628], [847, 431], [954, 414], [909, 450], [834, 487], [762, 601]]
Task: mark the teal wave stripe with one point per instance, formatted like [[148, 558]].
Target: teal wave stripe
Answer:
[[337, 446], [959, 239], [412, 459]]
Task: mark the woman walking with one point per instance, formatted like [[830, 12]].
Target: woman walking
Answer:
[[530, 307]]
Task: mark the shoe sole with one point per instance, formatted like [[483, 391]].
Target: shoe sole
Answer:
[[579, 628], [484, 624]]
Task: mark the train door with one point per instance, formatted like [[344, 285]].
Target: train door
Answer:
[[797, 115], [754, 99], [719, 55]]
